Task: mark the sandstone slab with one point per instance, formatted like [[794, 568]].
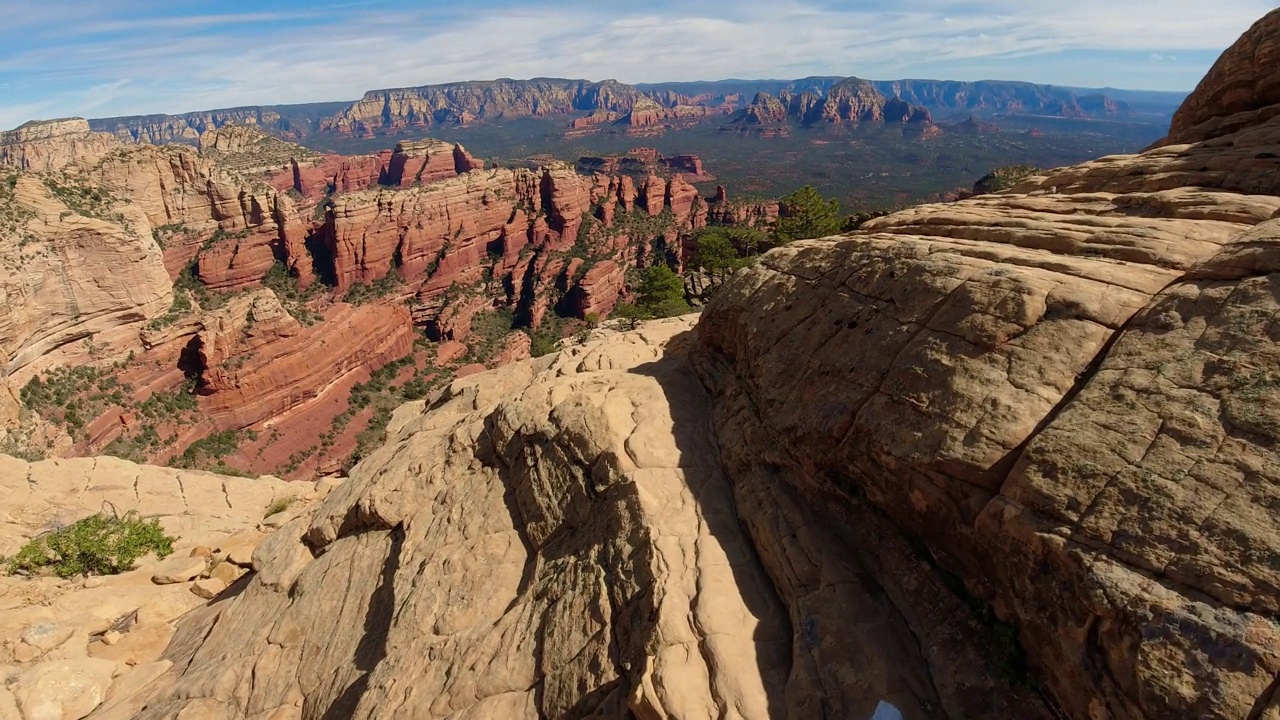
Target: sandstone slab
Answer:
[[64, 690]]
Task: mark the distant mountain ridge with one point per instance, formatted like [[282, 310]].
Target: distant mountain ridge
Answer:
[[820, 98]]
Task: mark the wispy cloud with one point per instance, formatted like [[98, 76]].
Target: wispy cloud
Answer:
[[126, 57]]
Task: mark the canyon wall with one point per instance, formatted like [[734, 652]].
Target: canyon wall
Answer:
[[638, 110], [270, 281]]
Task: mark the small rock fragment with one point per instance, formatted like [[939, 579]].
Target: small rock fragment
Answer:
[[208, 588]]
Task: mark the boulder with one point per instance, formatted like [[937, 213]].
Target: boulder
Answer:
[[208, 588], [178, 570], [63, 690]]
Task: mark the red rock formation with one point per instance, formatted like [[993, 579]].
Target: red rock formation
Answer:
[[897, 110], [851, 101], [273, 365], [751, 214], [654, 194], [422, 162], [685, 203], [332, 174], [516, 346], [647, 161], [498, 238], [1241, 89], [689, 165], [647, 116], [238, 228], [600, 289], [596, 117]]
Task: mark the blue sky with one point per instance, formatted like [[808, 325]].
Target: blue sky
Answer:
[[96, 59]]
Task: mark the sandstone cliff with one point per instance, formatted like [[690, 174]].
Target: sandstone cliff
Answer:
[[386, 111], [58, 306], [1241, 90], [52, 145]]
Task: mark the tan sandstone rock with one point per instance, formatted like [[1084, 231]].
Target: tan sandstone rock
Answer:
[[66, 690], [208, 588], [559, 538], [178, 570]]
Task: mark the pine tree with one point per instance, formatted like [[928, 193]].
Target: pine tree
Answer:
[[806, 214]]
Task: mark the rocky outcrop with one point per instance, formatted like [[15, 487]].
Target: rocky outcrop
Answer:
[[690, 166], [592, 120], [237, 227], [763, 110], [422, 162], [332, 174], [255, 362], [1057, 392], [248, 151], [644, 161], [851, 101], [52, 145], [599, 289], [1241, 90], [89, 645], [604, 534], [766, 116], [60, 307], [647, 117]]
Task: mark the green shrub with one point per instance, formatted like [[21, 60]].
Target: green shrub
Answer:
[[97, 545], [806, 214], [542, 345], [661, 293], [280, 504], [293, 298]]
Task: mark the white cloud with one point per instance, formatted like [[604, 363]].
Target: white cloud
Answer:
[[107, 62]]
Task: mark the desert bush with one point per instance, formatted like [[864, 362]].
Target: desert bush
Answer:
[[103, 544]]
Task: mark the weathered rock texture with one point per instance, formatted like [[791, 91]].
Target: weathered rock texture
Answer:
[[1241, 90], [55, 295], [85, 645], [52, 145], [557, 539], [1061, 392]]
